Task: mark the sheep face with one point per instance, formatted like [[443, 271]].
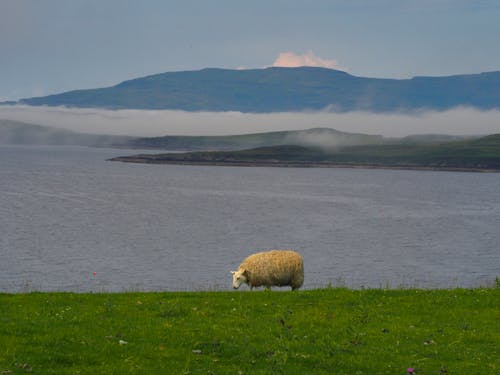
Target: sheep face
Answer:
[[239, 277]]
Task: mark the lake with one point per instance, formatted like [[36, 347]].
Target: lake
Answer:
[[67, 213]]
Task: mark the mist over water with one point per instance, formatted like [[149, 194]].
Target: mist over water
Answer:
[[148, 123]]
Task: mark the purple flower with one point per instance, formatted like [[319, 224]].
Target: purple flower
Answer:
[[410, 370]]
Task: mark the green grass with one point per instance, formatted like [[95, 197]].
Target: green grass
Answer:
[[325, 331], [471, 154]]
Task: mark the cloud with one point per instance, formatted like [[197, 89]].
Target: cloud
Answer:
[[459, 121], [291, 60]]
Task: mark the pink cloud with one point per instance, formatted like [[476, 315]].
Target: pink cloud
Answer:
[[291, 60]]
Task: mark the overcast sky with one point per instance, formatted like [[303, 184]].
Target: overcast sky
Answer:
[[52, 46]]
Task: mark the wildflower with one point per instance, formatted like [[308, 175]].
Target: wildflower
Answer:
[[410, 370]]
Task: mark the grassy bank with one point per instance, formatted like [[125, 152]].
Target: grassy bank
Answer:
[[326, 331], [481, 154]]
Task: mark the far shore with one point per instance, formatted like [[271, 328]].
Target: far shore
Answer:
[[140, 159]]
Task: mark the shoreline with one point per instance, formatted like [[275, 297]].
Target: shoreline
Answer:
[[305, 164]]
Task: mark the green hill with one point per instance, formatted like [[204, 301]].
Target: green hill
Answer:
[[475, 154], [15, 132], [324, 137]]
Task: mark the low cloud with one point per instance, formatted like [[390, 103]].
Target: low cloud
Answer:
[[459, 121], [292, 60]]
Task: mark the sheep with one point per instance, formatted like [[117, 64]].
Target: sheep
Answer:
[[271, 268]]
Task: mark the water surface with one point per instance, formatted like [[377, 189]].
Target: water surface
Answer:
[[66, 212]]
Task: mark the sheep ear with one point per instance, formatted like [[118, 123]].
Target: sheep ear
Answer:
[[245, 273], [232, 272]]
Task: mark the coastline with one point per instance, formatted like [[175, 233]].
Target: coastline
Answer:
[[296, 164]]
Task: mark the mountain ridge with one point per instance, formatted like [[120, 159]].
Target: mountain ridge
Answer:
[[278, 89]]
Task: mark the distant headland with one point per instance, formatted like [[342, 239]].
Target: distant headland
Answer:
[[418, 152]]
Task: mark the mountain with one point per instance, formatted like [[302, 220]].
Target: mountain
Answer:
[[319, 137], [285, 89], [15, 132]]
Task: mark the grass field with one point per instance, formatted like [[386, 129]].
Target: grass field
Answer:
[[324, 331]]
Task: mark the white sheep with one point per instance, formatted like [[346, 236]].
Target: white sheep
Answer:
[[271, 268]]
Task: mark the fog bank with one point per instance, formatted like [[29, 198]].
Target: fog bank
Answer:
[[148, 123]]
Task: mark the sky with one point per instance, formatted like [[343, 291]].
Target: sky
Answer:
[[52, 46]]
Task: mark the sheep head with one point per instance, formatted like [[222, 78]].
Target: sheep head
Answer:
[[239, 277]]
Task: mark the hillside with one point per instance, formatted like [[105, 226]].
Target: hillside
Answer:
[[15, 132], [285, 89], [471, 154], [310, 137]]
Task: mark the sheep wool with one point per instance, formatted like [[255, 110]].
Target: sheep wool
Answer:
[[271, 268]]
